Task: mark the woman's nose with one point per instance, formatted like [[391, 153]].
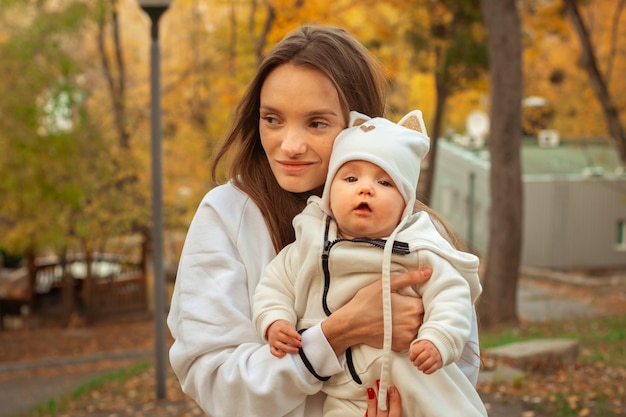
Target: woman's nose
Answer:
[[293, 143]]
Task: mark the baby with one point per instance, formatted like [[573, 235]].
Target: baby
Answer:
[[364, 227]]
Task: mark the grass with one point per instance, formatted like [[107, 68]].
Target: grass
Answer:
[[55, 406], [595, 386], [602, 339], [118, 375]]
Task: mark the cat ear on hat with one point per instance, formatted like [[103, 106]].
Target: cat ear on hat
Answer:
[[357, 119], [414, 121]]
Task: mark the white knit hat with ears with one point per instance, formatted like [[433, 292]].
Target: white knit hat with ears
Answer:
[[396, 148]]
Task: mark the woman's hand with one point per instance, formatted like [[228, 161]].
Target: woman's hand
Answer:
[[394, 404], [361, 319]]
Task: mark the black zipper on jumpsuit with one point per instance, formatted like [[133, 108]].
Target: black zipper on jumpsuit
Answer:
[[401, 248]]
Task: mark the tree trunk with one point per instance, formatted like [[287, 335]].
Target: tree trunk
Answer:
[[89, 285], [498, 304], [261, 40], [117, 86], [427, 177], [67, 289], [31, 267], [598, 83]]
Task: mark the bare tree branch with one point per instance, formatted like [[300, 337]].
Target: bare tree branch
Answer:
[[116, 87], [619, 8], [262, 39], [598, 83]]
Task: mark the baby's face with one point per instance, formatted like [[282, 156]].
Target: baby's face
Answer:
[[365, 201]]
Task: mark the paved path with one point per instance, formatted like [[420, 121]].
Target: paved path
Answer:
[[539, 303], [26, 385], [21, 393]]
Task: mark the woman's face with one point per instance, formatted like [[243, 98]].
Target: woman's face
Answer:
[[300, 116]]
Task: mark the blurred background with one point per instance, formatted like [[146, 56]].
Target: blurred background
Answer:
[[75, 126]]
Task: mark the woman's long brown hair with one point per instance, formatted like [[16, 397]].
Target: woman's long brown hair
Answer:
[[361, 86]]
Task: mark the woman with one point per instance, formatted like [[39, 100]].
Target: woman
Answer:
[[281, 139]]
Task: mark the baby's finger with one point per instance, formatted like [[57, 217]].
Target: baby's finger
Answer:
[[288, 348], [295, 342], [277, 352]]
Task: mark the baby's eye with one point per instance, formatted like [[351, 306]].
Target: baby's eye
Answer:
[[317, 124], [385, 183], [351, 179]]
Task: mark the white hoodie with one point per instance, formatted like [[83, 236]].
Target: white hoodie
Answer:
[[219, 358], [217, 355]]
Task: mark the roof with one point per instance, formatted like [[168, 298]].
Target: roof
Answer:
[[592, 158], [586, 158]]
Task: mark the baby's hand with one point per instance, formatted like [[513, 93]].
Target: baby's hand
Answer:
[[283, 338], [425, 356]]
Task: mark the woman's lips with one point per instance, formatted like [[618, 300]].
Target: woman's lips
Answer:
[[294, 167]]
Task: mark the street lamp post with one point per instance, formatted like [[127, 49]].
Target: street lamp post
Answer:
[[154, 9]]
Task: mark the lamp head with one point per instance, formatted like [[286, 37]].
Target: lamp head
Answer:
[[155, 3]]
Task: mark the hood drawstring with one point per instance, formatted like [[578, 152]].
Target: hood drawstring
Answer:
[[387, 317]]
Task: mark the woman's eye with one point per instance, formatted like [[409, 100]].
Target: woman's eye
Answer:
[[270, 119]]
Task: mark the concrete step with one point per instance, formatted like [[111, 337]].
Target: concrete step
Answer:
[[539, 355]]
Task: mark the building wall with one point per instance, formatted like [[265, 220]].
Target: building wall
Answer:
[[572, 222], [569, 221], [461, 194]]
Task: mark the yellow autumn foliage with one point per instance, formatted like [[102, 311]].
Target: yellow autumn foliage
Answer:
[[209, 53]]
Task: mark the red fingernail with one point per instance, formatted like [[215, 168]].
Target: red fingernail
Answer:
[[378, 384], [370, 393]]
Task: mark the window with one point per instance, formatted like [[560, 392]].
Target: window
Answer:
[[621, 235]]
